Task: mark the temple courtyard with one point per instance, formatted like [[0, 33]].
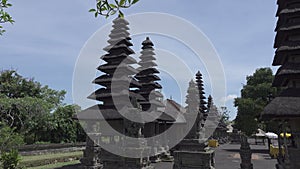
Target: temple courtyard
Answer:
[[227, 157]]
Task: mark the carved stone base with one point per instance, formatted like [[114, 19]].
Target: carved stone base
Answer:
[[91, 156], [193, 145], [193, 160], [112, 161]]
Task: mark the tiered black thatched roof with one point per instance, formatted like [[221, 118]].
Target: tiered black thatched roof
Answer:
[[152, 99], [209, 102], [117, 78], [118, 73], [200, 86], [148, 78], [287, 55]]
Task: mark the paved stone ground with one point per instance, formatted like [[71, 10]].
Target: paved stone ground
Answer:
[[227, 157]]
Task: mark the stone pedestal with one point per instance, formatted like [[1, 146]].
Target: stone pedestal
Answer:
[[192, 154], [193, 160], [246, 154], [129, 148], [91, 155], [112, 161]]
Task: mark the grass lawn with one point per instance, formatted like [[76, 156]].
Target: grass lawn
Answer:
[[57, 165], [50, 156], [51, 160]]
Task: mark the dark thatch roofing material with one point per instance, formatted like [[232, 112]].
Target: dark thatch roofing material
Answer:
[[282, 107], [283, 53], [285, 72], [285, 33], [284, 4], [289, 11], [100, 113], [290, 92], [97, 113]]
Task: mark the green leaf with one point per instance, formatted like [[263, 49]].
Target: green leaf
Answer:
[[113, 12], [96, 14], [122, 2], [92, 10], [103, 8], [135, 1], [113, 6]]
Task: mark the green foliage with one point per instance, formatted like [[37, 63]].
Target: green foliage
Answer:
[[10, 159], [254, 97], [4, 16], [107, 8], [224, 115], [66, 129], [25, 105], [14, 85], [23, 112], [8, 138]]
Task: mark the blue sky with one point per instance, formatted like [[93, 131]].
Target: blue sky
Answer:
[[47, 37]]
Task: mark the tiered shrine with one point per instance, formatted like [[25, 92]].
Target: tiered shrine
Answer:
[[117, 97], [128, 93], [152, 100], [286, 108], [193, 151]]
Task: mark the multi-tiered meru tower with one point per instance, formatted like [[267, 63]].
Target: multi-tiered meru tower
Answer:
[[286, 107], [192, 151], [118, 102], [152, 100], [202, 103]]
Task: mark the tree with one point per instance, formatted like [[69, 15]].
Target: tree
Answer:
[[14, 85], [26, 105], [9, 139], [254, 97], [224, 115], [4, 16], [107, 8], [66, 129]]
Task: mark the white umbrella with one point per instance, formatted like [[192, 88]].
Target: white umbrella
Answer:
[[271, 135]]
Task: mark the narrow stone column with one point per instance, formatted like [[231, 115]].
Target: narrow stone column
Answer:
[[245, 153]]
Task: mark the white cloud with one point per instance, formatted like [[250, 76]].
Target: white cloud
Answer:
[[228, 98]]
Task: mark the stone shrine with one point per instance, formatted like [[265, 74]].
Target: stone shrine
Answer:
[[193, 152], [245, 153], [117, 97], [152, 100]]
